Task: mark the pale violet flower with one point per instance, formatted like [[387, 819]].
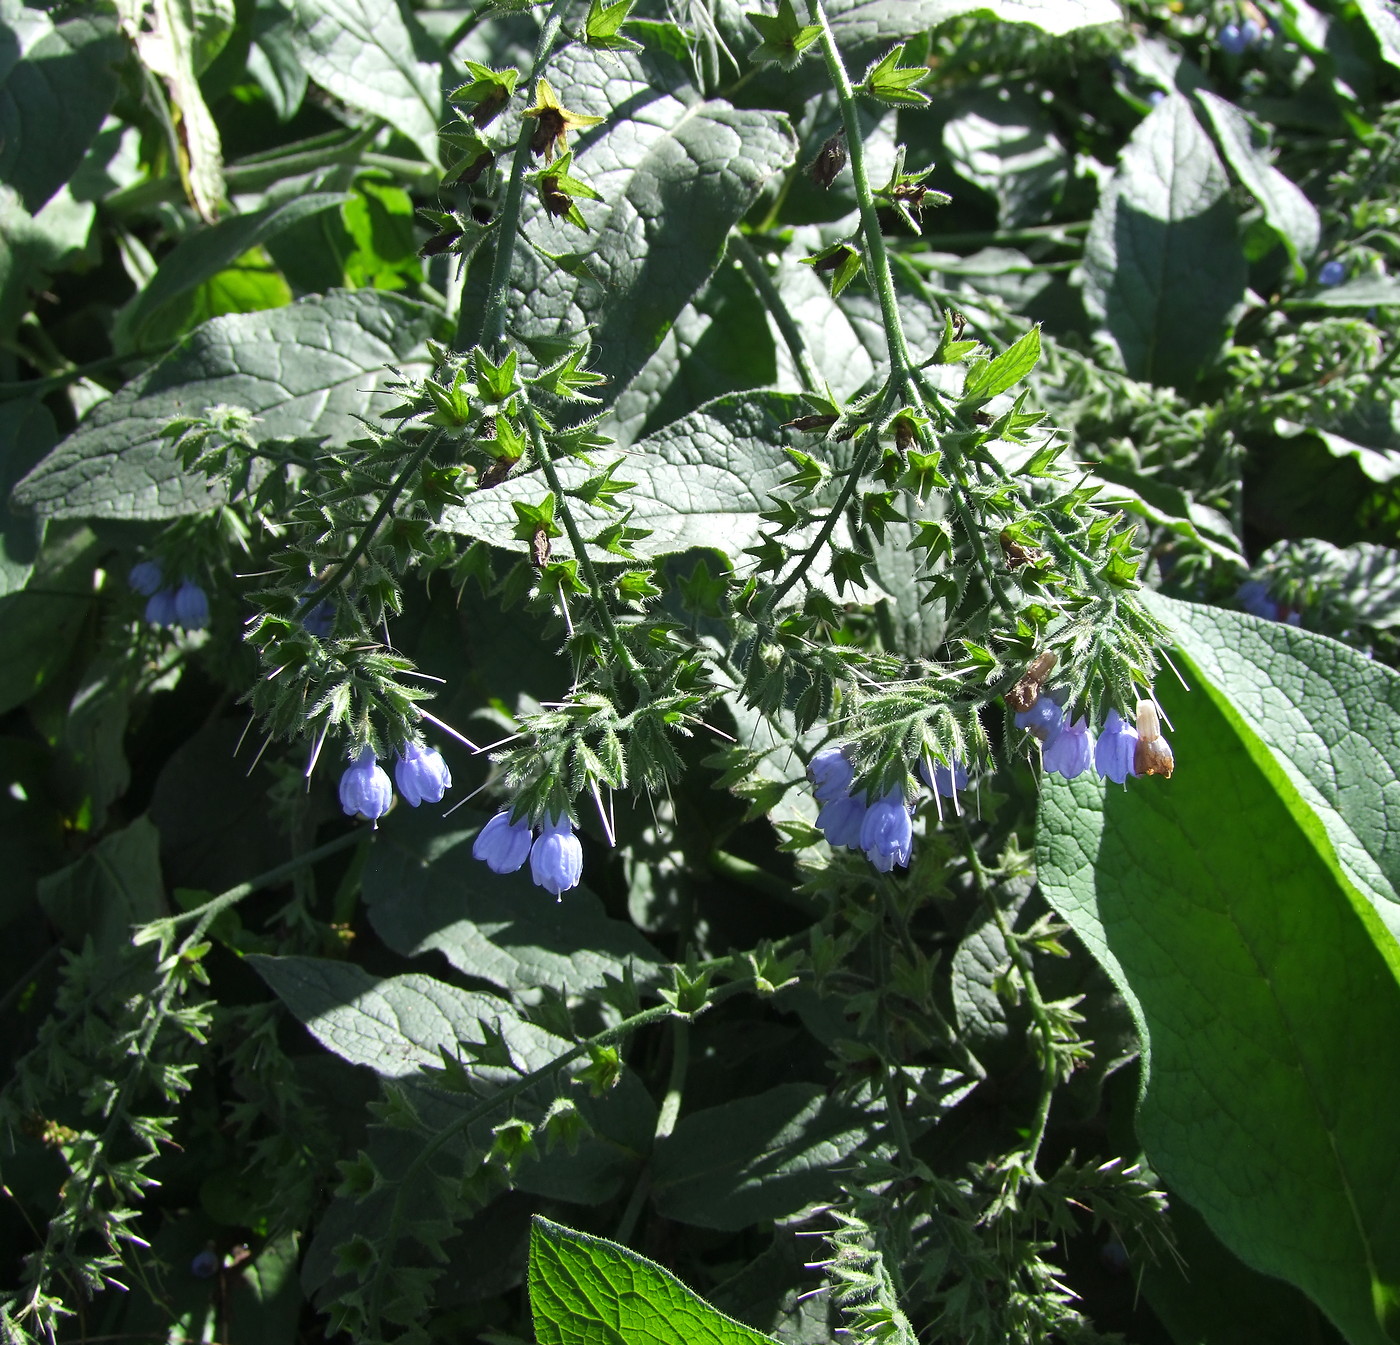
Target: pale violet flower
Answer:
[[831, 773], [365, 790], [1332, 273], [1113, 754], [160, 608], [944, 780], [421, 774], [1043, 719], [556, 858], [146, 577], [502, 845], [840, 820], [1070, 751], [887, 833], [191, 606]]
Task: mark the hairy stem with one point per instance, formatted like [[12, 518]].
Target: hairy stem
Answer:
[[767, 292], [493, 316]]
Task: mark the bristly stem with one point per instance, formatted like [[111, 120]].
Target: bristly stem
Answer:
[[493, 315], [876, 257], [753, 268], [580, 547], [391, 497]]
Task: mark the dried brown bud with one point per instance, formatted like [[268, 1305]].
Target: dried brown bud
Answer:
[[903, 434], [1153, 758], [830, 160], [833, 260], [809, 423], [489, 108], [1015, 552], [1026, 692], [539, 548], [551, 127], [496, 473], [439, 243], [476, 168], [557, 202]]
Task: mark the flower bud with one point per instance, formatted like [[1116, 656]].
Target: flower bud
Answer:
[[944, 780], [831, 773], [1023, 695], [840, 820], [160, 608], [1043, 719]]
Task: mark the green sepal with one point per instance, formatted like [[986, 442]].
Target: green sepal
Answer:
[[784, 39], [601, 29], [893, 83]]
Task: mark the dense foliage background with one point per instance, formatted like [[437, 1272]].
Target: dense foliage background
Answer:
[[652, 395]]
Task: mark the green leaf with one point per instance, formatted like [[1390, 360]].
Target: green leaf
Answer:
[[303, 370], [1246, 910], [584, 1290], [375, 57], [1005, 142], [1384, 24], [1162, 263], [1286, 209], [1363, 292], [895, 84], [114, 886], [674, 176], [34, 247], [27, 432], [602, 27], [784, 38], [57, 83], [755, 1159], [857, 21], [989, 379], [424, 890], [206, 252], [700, 482], [398, 1026]]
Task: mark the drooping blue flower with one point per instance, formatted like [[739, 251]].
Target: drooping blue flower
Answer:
[[556, 858], [1113, 754], [205, 1264], [942, 779], [1254, 597], [421, 774], [1043, 719], [887, 833], [320, 620], [160, 608], [146, 577], [831, 773], [1231, 39], [1157, 97], [1250, 32], [1070, 751], [1332, 273], [502, 845], [365, 790], [840, 820], [191, 606]]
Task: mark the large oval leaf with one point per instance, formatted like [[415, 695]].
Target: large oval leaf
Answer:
[[1265, 983]]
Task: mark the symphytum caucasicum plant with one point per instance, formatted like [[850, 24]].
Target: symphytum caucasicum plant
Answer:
[[595, 599]]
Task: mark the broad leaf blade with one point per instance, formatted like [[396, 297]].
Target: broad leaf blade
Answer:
[[585, 1289], [208, 251], [756, 1158], [424, 890], [303, 370], [372, 55], [857, 21], [674, 177], [1264, 985], [1288, 211], [57, 82], [1162, 263]]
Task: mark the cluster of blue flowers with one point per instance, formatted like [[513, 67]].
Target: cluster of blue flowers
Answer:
[[420, 773], [1237, 38], [1069, 748], [184, 604], [555, 854], [884, 829]]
